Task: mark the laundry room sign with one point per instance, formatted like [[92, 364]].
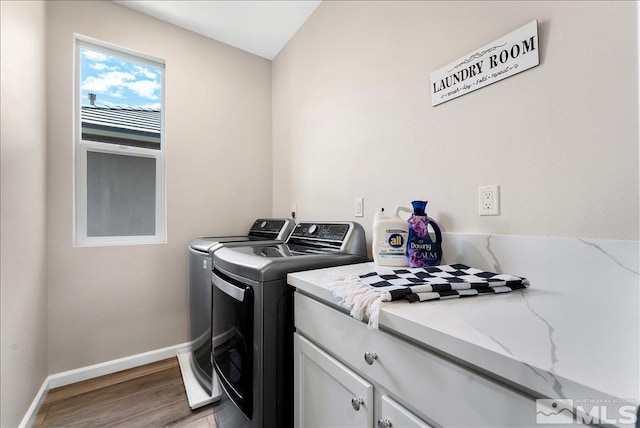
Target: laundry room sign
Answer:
[[509, 55]]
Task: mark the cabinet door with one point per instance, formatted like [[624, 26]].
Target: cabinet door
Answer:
[[326, 393], [393, 415]]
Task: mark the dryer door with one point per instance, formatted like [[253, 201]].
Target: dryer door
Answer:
[[232, 328]]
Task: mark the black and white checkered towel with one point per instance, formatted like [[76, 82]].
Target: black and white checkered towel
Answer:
[[365, 293]]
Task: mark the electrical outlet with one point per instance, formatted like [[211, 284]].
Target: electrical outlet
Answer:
[[359, 207], [489, 200]]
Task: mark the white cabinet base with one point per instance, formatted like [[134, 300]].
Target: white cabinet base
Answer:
[[434, 388]]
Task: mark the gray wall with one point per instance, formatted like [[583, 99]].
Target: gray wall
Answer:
[[112, 302], [352, 116], [23, 298]]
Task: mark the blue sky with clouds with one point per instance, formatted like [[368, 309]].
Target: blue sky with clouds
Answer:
[[119, 82]]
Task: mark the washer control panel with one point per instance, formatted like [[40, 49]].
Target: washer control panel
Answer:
[[321, 231], [271, 228], [268, 225]]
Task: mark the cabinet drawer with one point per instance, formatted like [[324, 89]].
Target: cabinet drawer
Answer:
[[448, 393], [393, 415]]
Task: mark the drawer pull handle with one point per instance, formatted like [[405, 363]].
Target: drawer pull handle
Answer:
[[370, 357], [356, 403], [384, 423]]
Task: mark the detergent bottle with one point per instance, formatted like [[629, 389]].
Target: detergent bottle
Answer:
[[422, 249], [390, 238]]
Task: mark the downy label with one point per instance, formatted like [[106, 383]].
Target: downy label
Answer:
[[422, 251]]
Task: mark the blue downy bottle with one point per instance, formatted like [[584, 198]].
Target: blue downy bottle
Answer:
[[422, 250]]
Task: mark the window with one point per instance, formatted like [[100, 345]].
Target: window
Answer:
[[119, 146]]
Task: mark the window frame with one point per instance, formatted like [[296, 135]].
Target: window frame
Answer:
[[82, 147]]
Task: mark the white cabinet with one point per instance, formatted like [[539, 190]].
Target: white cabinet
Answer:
[[326, 393], [411, 383]]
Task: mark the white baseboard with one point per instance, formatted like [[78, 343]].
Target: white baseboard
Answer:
[[108, 367], [32, 412], [96, 370]]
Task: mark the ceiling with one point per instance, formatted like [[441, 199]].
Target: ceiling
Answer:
[[261, 27]]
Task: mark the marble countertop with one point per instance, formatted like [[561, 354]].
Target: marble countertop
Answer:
[[574, 334]]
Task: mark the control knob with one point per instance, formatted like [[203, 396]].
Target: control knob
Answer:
[[313, 229]]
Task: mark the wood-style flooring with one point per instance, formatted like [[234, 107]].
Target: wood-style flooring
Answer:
[[149, 396]]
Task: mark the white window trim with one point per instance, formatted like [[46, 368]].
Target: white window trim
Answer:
[[81, 148]]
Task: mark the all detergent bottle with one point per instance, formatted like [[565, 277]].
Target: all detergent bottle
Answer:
[[422, 249], [390, 239]]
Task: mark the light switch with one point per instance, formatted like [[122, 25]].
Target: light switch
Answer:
[[359, 207]]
